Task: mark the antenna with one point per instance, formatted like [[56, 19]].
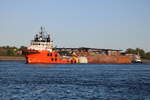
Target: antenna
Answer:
[[41, 30]]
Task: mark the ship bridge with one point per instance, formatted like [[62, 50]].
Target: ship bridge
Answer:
[[42, 41]]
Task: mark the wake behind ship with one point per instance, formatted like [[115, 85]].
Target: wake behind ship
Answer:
[[41, 51]]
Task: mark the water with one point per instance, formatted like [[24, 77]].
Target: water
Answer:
[[20, 81]]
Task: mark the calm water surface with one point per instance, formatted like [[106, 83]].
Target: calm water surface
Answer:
[[20, 81]]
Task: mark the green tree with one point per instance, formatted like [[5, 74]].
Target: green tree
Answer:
[[140, 52], [131, 51], [147, 55], [22, 47], [11, 52]]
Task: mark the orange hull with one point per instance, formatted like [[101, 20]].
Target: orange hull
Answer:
[[109, 59], [44, 57]]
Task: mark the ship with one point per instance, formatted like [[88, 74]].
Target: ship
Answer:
[[42, 51]]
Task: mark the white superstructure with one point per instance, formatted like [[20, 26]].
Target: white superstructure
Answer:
[[41, 42]]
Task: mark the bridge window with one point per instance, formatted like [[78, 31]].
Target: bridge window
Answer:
[[49, 54], [55, 55], [55, 59], [52, 59]]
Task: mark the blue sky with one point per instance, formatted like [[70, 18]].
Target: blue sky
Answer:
[[116, 24]]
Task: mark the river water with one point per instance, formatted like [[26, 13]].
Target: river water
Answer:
[[20, 81]]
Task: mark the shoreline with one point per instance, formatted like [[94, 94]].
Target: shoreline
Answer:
[[145, 60], [12, 58]]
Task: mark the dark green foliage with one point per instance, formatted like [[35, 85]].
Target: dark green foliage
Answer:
[[139, 52], [22, 48], [147, 55], [11, 51], [131, 51]]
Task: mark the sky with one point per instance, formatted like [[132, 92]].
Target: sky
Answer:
[[111, 24]]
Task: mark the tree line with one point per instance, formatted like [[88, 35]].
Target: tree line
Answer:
[[143, 54], [11, 50]]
